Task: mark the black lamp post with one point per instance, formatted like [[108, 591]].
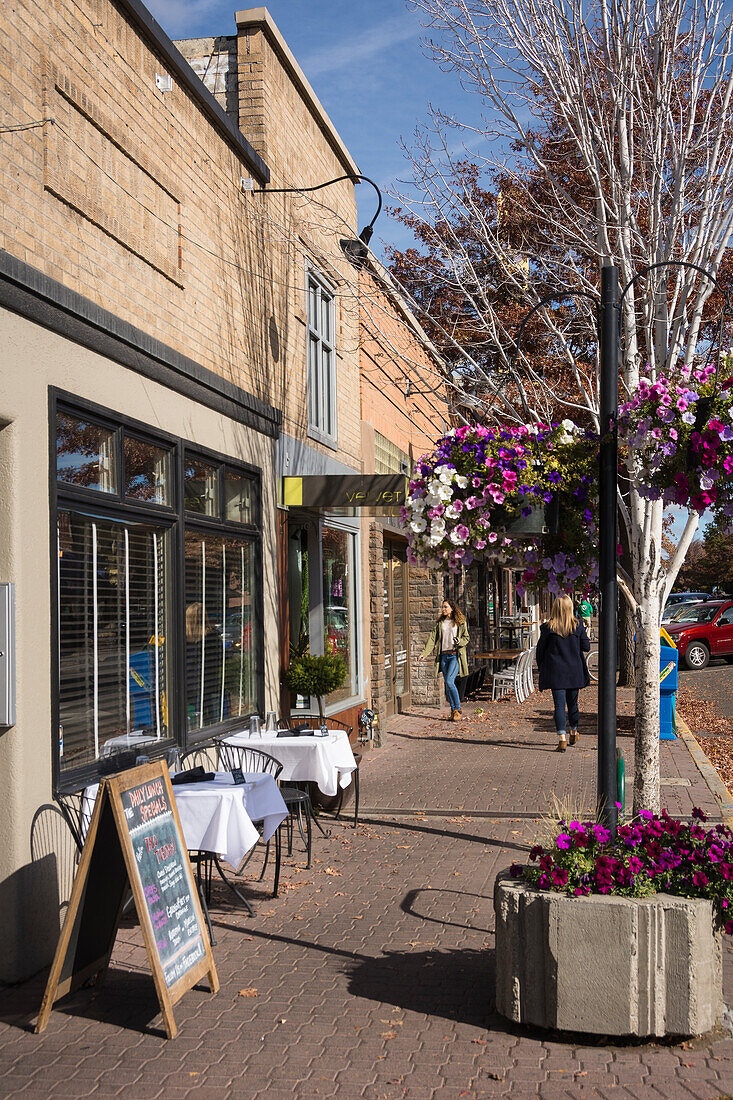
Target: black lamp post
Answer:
[[608, 330], [355, 250]]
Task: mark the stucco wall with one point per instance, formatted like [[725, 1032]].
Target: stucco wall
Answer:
[[33, 360]]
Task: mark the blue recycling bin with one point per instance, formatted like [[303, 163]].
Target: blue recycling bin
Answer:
[[668, 668]]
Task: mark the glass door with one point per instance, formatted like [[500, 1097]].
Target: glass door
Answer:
[[396, 627]]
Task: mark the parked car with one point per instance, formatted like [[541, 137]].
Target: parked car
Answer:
[[678, 611], [703, 631], [685, 597]]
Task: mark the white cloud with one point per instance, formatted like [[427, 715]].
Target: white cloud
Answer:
[[359, 47]]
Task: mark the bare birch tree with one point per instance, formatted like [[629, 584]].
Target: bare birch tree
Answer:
[[637, 94]]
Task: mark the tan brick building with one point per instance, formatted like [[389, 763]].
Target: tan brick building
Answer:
[[172, 344], [404, 410]]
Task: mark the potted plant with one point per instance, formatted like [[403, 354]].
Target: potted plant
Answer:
[[617, 937], [309, 674]]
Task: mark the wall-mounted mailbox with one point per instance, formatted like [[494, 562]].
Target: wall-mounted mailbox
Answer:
[[7, 654]]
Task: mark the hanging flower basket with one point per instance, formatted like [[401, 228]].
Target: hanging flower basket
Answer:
[[491, 493], [679, 431]]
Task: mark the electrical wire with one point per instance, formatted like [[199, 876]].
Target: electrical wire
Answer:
[[26, 126]]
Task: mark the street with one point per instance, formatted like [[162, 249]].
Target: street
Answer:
[[714, 683]]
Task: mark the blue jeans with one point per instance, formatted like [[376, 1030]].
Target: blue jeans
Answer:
[[559, 697], [449, 667]]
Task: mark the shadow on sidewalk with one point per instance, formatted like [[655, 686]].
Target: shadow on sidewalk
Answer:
[[457, 985], [408, 905], [126, 999], [518, 743], [454, 834]]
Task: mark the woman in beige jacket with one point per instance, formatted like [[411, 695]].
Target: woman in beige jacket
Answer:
[[447, 642]]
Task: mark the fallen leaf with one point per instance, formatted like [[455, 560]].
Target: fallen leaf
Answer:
[[251, 992], [388, 1034], [331, 871], [403, 845], [482, 1041], [496, 1076]]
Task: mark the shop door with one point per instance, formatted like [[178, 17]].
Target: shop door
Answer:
[[396, 627]]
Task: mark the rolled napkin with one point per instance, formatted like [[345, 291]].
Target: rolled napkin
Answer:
[[193, 775]]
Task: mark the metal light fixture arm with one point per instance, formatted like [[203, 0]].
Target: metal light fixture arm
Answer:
[[366, 233]]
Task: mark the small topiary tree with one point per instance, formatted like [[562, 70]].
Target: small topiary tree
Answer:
[[319, 676]]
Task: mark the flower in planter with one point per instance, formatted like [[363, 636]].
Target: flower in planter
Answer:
[[652, 854]]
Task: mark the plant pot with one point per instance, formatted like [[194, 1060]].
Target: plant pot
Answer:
[[607, 965]]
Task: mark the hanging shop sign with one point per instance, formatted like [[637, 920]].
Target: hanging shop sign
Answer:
[[345, 491], [134, 842]]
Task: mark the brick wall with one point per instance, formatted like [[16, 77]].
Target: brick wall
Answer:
[[132, 197], [397, 371], [395, 352]]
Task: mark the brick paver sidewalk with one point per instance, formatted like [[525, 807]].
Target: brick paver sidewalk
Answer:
[[372, 975]]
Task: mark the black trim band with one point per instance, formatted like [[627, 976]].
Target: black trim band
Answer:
[[46, 302]]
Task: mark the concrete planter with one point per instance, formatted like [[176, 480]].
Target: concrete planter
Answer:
[[607, 965]]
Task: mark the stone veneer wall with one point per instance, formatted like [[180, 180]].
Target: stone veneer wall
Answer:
[[425, 594]]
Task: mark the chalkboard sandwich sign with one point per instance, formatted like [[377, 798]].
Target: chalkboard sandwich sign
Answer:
[[134, 840]]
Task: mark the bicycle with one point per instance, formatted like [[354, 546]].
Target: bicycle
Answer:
[[591, 661]]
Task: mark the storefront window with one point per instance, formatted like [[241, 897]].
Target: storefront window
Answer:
[[114, 626], [147, 471], [339, 606], [220, 655], [139, 652], [85, 454], [200, 488]]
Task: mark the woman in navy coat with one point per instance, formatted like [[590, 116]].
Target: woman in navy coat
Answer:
[[563, 641]]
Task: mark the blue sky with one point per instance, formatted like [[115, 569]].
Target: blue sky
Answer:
[[366, 65]]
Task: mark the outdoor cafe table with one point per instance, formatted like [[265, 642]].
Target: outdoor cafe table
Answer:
[[325, 761], [217, 815], [496, 655]]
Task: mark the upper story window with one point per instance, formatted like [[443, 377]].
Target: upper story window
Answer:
[[321, 365]]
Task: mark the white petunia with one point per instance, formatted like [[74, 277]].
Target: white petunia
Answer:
[[461, 481], [418, 525], [445, 493]]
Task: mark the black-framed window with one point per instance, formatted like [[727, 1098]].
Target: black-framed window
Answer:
[[157, 594]]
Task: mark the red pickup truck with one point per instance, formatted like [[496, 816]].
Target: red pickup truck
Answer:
[[705, 630]]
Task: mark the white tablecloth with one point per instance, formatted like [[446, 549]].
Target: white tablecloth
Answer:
[[326, 761], [217, 816]]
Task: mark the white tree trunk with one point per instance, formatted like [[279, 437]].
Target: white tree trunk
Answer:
[[646, 746]]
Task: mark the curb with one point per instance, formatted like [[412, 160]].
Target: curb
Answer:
[[707, 770]]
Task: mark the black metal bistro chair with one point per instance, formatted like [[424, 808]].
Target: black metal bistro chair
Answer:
[[297, 801], [254, 760], [313, 721], [206, 756]]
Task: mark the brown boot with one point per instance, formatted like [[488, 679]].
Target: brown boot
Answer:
[[574, 735], [456, 716], [561, 744]]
